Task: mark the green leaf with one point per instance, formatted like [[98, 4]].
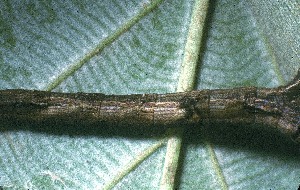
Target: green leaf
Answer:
[[125, 47]]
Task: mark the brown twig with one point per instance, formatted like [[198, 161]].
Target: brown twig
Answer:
[[275, 107]]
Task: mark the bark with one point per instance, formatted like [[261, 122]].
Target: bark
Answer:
[[278, 108]]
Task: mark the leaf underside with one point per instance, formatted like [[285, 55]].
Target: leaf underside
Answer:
[[246, 43]]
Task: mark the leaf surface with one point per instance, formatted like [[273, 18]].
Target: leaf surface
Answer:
[[126, 47]]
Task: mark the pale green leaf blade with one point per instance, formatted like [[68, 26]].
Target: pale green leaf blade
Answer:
[[146, 59], [60, 157], [240, 51], [279, 23], [34, 52]]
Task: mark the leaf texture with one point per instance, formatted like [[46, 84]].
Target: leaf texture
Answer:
[[50, 39], [125, 47], [238, 52]]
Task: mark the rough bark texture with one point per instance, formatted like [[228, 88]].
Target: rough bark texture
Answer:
[[278, 108]]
